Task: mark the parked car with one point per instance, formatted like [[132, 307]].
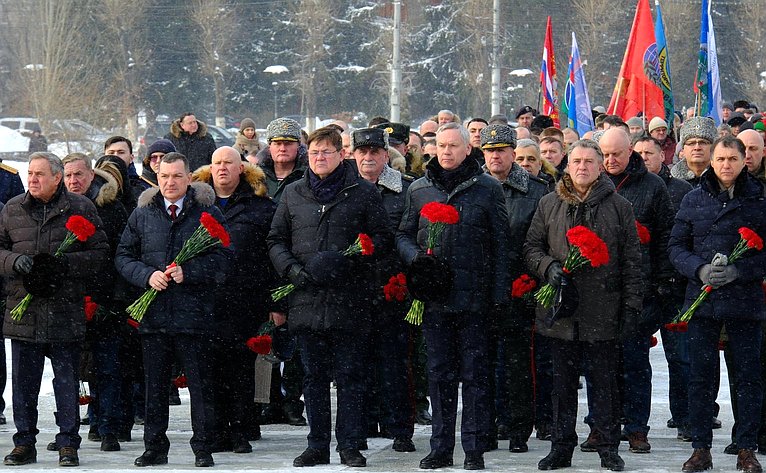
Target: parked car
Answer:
[[24, 125], [79, 136]]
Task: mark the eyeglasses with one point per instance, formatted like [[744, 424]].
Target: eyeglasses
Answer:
[[325, 153], [697, 143], [156, 157]]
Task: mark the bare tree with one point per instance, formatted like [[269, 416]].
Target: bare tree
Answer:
[[123, 69], [213, 18], [749, 54]]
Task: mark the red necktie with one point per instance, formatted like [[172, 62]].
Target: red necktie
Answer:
[[173, 208]]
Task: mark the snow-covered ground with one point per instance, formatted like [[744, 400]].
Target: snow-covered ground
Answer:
[[281, 443]]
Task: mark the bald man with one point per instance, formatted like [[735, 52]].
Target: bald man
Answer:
[[653, 209], [754, 153]]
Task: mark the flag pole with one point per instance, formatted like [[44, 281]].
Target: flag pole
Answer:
[[619, 91], [643, 99]]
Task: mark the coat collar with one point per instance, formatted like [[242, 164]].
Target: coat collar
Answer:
[[200, 193], [253, 176], [391, 179]]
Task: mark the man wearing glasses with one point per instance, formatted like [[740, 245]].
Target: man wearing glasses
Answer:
[[697, 134]]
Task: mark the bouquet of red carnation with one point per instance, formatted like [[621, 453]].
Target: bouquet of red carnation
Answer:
[[91, 309], [439, 216], [644, 237], [522, 287], [84, 398], [363, 245], [80, 229], [207, 235], [679, 327], [262, 343], [181, 381], [584, 247], [748, 240], [396, 289]]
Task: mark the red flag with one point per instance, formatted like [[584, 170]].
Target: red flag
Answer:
[[548, 78], [638, 86]]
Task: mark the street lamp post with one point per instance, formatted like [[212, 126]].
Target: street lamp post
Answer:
[[276, 113], [277, 69]]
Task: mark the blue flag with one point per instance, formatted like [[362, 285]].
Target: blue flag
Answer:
[[664, 58], [576, 106], [708, 83]]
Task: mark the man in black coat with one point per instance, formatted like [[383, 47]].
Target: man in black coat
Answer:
[[675, 344], [653, 210], [243, 301], [389, 395], [190, 137], [32, 226], [103, 336], [514, 405], [456, 326], [179, 321], [330, 309]]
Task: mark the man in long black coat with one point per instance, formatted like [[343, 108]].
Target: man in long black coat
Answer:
[[178, 322]]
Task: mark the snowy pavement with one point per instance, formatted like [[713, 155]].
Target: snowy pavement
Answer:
[[281, 443]]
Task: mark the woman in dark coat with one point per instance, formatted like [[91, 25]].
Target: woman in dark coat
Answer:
[[707, 224]]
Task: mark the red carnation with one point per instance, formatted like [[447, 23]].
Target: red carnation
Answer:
[[367, 246], [643, 233], [677, 327], [214, 228], [181, 382], [751, 238], [436, 212], [133, 323], [653, 342], [260, 344], [84, 400], [396, 289], [81, 227], [90, 308], [522, 285]]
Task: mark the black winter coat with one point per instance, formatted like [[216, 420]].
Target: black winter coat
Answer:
[[243, 301], [708, 223], [522, 194], [29, 227], [151, 241], [653, 209], [677, 188], [302, 227], [198, 148], [476, 248], [10, 183], [275, 186]]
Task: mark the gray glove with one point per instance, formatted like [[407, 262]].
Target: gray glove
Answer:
[[23, 264], [299, 276], [554, 274], [722, 275], [704, 273]]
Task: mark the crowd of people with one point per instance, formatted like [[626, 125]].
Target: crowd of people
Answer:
[[506, 261]]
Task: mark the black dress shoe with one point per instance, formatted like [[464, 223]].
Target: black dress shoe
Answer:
[[555, 460], [611, 460], [731, 449], [311, 457], [241, 445], [203, 459], [403, 444], [435, 460], [473, 461], [52, 447], [151, 457], [517, 446], [68, 457], [503, 432], [423, 417], [295, 418], [109, 443], [21, 455], [352, 457]]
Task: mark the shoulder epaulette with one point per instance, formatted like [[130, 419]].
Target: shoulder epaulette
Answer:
[[10, 169]]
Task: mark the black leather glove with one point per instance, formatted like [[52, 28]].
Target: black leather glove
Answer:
[[299, 277], [429, 278], [554, 274], [629, 323], [704, 273], [23, 264], [722, 275]]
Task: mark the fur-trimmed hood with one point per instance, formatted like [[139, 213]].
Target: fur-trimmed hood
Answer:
[[396, 160], [104, 189], [597, 192], [202, 193], [391, 179], [177, 131], [253, 175]]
